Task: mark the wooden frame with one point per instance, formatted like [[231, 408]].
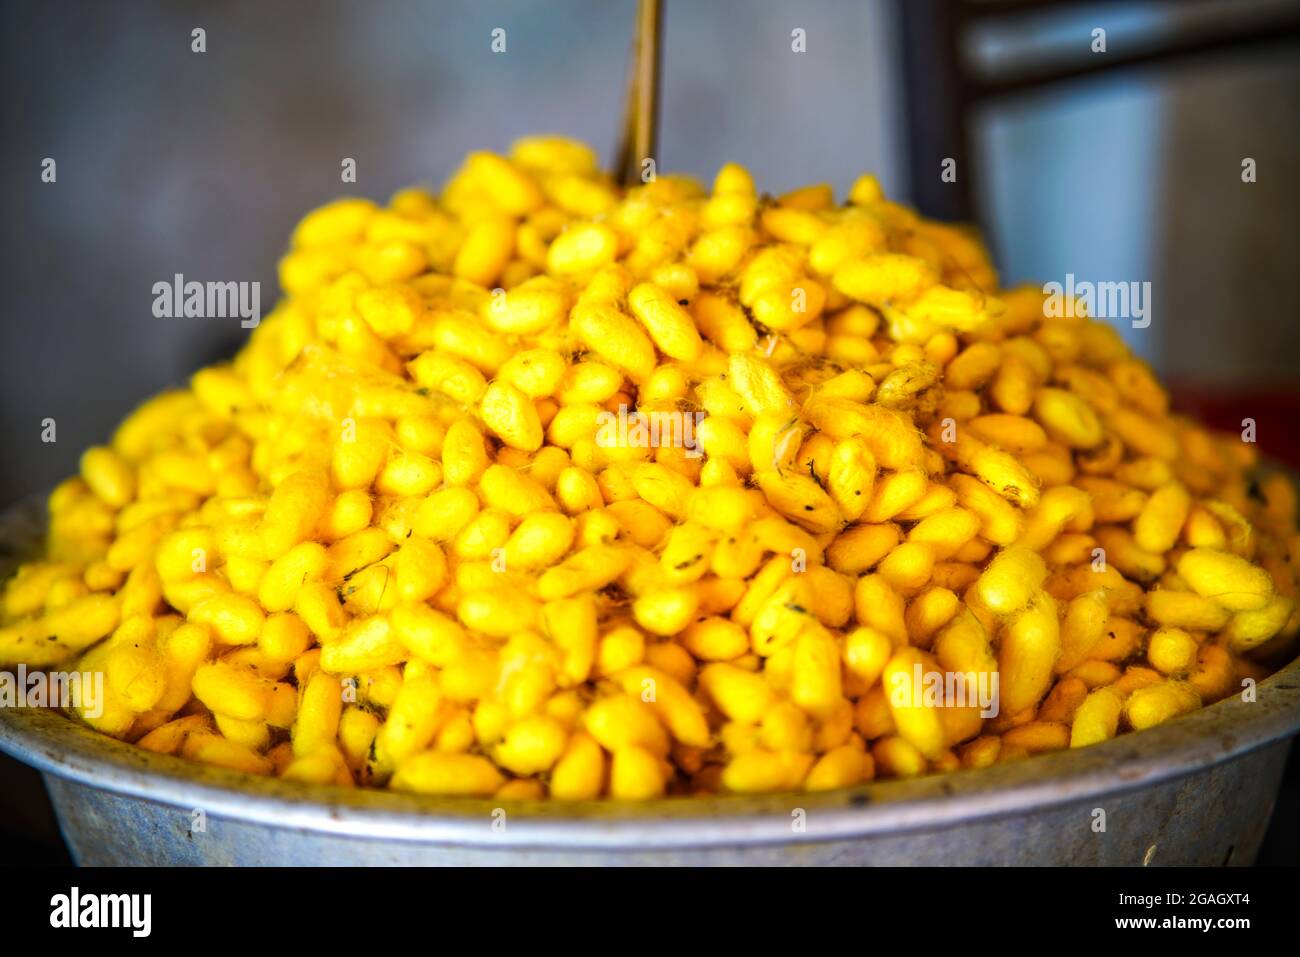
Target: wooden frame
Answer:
[[941, 90]]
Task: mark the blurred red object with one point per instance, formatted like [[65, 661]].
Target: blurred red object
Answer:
[[1276, 411]]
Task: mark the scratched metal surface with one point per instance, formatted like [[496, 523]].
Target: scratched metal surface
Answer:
[[1215, 816]]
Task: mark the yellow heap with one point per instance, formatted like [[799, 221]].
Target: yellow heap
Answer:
[[390, 545]]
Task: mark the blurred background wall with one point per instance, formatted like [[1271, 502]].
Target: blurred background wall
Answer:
[[171, 161]]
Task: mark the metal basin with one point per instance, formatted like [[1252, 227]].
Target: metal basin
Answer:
[[1198, 790]]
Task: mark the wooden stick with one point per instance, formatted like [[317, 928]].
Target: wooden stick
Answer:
[[641, 113]]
